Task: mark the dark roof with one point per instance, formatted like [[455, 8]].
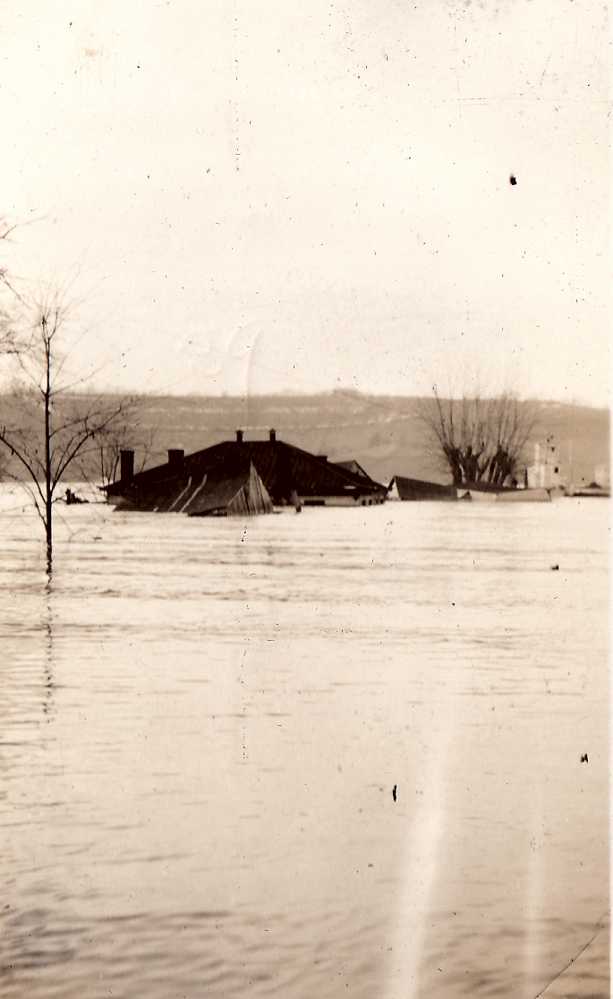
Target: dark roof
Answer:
[[237, 489], [413, 489], [242, 493], [215, 493], [283, 468]]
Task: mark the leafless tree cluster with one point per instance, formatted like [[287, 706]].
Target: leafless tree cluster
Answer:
[[478, 439]]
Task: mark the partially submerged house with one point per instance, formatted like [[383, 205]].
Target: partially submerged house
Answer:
[[402, 488], [240, 477]]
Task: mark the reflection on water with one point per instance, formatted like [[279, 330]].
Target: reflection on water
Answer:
[[203, 721]]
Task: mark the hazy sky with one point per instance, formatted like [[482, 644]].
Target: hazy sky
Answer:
[[252, 195]]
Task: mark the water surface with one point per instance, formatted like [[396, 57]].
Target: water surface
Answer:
[[203, 721]]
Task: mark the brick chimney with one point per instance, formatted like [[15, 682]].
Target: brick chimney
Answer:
[[239, 436], [272, 435], [126, 465], [175, 458]]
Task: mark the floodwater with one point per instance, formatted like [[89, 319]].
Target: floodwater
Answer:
[[331, 755]]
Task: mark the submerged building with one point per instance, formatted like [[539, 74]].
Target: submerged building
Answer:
[[402, 488], [242, 477]]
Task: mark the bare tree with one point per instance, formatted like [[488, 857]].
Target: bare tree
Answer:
[[51, 428], [478, 439]]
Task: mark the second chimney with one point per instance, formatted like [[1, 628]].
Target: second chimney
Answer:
[[239, 436], [175, 458], [126, 459], [272, 435]]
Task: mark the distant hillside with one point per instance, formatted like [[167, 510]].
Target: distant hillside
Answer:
[[381, 432]]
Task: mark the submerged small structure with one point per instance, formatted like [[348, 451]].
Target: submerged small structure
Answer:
[[402, 488], [241, 477], [487, 493], [599, 486], [243, 494]]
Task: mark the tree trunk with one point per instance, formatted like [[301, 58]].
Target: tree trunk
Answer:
[[48, 470]]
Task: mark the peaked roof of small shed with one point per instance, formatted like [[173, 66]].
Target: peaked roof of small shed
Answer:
[[219, 492], [420, 488]]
